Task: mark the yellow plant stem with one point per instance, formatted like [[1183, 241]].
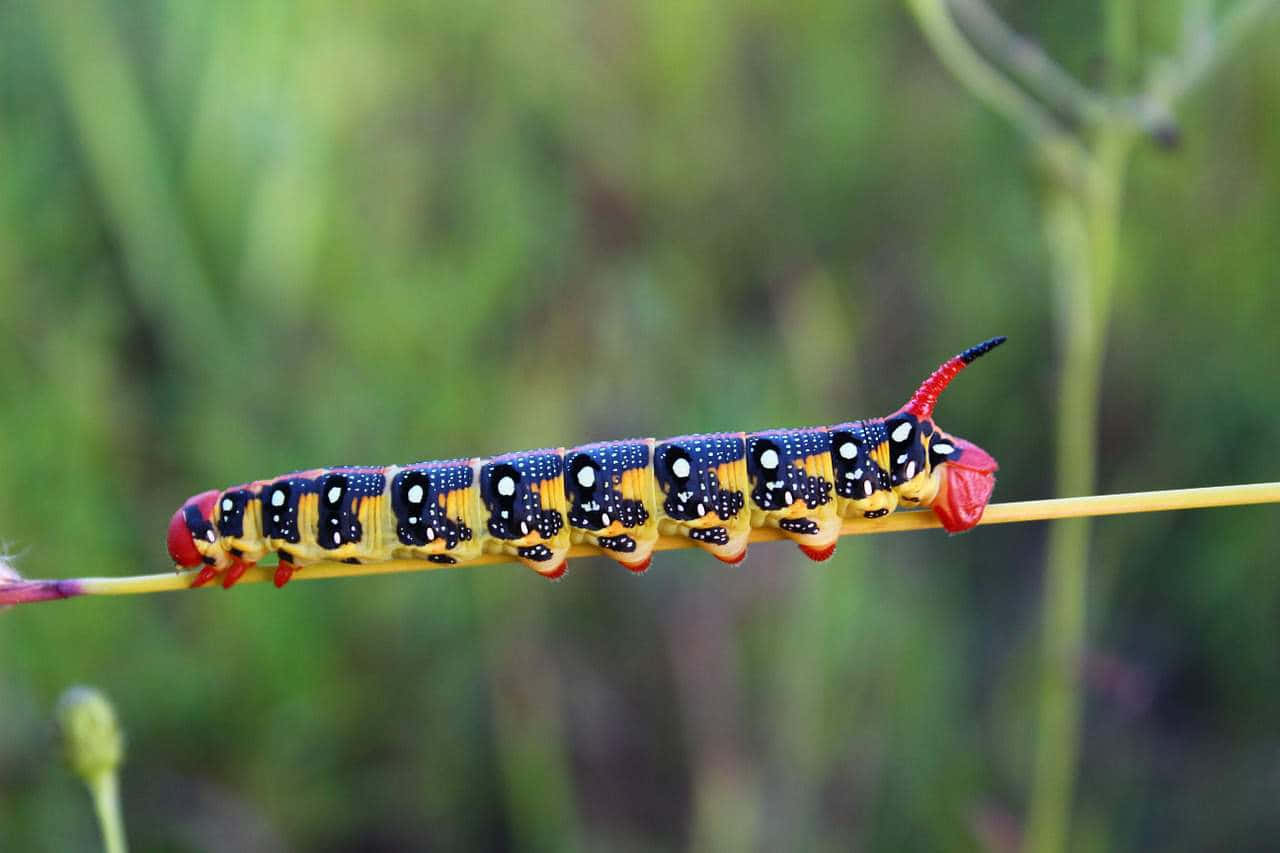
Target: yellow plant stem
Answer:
[[105, 789], [1006, 513]]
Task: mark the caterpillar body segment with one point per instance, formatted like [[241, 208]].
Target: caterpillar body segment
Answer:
[[435, 511], [609, 487], [860, 464], [619, 496], [701, 483], [791, 477], [525, 508]]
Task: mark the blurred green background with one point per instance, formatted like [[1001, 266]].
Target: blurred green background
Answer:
[[240, 239]]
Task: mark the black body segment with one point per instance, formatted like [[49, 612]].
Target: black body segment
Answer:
[[701, 490], [609, 490], [524, 504], [432, 506], [791, 485]]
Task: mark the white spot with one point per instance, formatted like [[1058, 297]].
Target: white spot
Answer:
[[337, 538], [227, 505], [415, 493], [333, 521], [943, 449], [506, 514], [848, 475], [507, 486], [848, 450], [680, 467], [275, 518], [604, 519], [208, 534], [277, 497], [431, 534], [902, 458], [702, 510], [901, 431], [769, 459], [335, 493], [787, 498], [866, 487], [587, 477], [911, 469], [413, 519], [524, 528], [857, 474]]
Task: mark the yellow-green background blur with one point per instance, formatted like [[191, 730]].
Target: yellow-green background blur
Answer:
[[239, 239]]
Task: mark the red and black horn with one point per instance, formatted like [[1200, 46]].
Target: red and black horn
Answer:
[[926, 397]]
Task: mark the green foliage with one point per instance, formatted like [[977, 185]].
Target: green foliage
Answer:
[[239, 239]]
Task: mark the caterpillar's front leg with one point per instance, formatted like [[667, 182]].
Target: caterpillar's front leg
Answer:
[[220, 532]]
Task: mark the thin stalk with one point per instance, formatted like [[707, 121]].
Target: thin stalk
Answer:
[[19, 591], [1202, 56], [105, 789], [984, 81]]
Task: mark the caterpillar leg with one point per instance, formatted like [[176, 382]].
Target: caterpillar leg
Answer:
[[630, 554], [284, 571], [207, 574], [817, 539], [550, 563]]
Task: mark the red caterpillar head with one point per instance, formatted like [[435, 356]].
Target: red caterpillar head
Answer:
[[961, 472], [191, 535]]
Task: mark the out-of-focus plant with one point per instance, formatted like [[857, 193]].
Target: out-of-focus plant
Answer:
[[94, 748], [1083, 138]]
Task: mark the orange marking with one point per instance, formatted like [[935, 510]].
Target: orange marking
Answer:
[[818, 554], [638, 568], [733, 561], [558, 572]]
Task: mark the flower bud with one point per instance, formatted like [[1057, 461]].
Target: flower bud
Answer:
[[91, 735]]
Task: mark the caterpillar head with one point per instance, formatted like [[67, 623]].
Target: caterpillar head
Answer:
[[952, 476], [192, 540]]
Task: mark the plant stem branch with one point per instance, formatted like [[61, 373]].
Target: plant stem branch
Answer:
[[982, 79], [1204, 53], [105, 789], [1034, 68], [18, 592]]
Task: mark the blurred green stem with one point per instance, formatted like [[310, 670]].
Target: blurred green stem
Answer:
[[1082, 232], [123, 148], [105, 790], [1081, 210]]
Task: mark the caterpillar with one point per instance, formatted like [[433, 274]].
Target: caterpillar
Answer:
[[619, 496]]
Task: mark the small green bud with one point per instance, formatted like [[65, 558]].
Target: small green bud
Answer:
[[91, 735]]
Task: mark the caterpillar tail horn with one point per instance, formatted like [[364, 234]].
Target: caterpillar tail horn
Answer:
[[968, 472], [923, 401]]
